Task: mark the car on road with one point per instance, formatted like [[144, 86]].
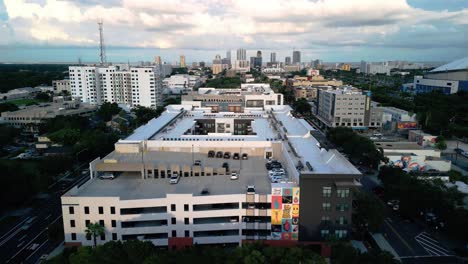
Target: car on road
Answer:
[[44, 257], [250, 189], [394, 204], [219, 154], [197, 163], [227, 155], [461, 152], [275, 179], [245, 156], [276, 170], [236, 156], [234, 176]]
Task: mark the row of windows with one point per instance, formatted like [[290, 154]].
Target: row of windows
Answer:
[[340, 193], [71, 210], [341, 207], [338, 233], [341, 220]]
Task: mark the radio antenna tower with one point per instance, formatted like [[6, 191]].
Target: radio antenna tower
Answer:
[[101, 44]]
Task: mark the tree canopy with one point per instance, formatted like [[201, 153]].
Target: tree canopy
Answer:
[[360, 149], [136, 252], [107, 110], [224, 82], [145, 114]]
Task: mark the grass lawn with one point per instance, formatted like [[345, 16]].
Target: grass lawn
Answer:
[[19, 102]]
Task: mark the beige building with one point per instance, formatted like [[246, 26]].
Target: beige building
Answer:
[[307, 92], [346, 106], [314, 81], [61, 85], [182, 61], [291, 68]]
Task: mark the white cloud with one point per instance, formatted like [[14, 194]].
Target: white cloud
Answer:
[[214, 24]]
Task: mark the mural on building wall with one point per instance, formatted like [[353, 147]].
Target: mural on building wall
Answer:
[[407, 125], [285, 213], [413, 163]]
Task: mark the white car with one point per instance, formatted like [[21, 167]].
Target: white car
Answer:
[[276, 171], [275, 179], [107, 176], [234, 176], [197, 163], [174, 178], [250, 189]]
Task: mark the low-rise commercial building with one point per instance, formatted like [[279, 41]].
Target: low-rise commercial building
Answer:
[[181, 83], [30, 117], [61, 86], [315, 80], [171, 189], [413, 157], [448, 79]]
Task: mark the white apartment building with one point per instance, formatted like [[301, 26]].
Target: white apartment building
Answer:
[[374, 68], [121, 84], [205, 206]]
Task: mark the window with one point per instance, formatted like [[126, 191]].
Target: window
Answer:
[[86, 210], [342, 207], [101, 222], [114, 223], [103, 236], [324, 232], [72, 223], [173, 221], [87, 222], [325, 219], [341, 220], [186, 221], [114, 236], [71, 210], [342, 193], [341, 233], [326, 206], [186, 207], [73, 236], [187, 233], [173, 207], [101, 210], [174, 233], [326, 191], [112, 209]]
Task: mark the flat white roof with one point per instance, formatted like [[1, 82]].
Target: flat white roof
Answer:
[[292, 132]]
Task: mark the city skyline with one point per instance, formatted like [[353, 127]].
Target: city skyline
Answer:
[[412, 30]]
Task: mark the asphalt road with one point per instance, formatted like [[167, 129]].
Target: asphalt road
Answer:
[[28, 240], [411, 239]]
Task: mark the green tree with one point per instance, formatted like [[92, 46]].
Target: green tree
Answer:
[[83, 255], [65, 136], [254, 257], [5, 107], [302, 106], [43, 96], [440, 143], [145, 114], [369, 212], [94, 230], [107, 110]]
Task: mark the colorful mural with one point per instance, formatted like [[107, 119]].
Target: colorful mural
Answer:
[[407, 125], [285, 213], [413, 163]]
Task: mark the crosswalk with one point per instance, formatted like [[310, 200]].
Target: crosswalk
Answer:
[[431, 245]]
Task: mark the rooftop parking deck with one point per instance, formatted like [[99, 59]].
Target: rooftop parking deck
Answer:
[[130, 185]]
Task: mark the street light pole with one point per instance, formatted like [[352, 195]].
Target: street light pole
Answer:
[[193, 159]]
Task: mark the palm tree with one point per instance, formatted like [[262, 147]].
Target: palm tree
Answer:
[[94, 230]]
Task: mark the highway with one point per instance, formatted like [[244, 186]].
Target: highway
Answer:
[[28, 239]]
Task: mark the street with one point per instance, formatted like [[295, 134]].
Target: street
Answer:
[[28, 239], [411, 239]]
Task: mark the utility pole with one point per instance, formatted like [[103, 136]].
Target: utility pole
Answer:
[[101, 44]]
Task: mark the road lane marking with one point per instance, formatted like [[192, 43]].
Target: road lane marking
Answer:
[[16, 226], [34, 252], [431, 245], [399, 237]]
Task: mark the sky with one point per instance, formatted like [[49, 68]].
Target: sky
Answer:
[[138, 30]]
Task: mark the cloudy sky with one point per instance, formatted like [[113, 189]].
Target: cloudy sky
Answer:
[[332, 30]]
